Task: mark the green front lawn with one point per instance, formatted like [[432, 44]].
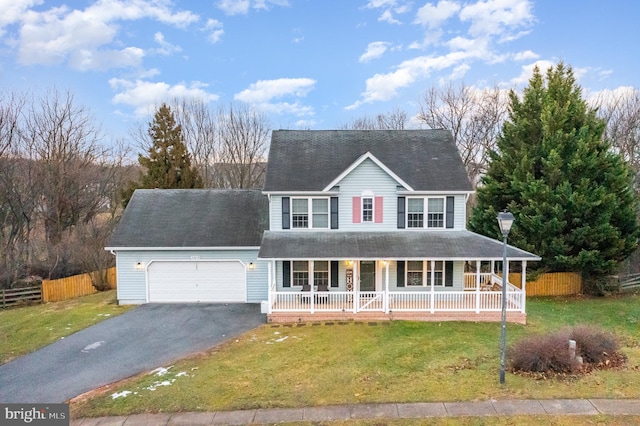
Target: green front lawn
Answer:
[[341, 363], [25, 329]]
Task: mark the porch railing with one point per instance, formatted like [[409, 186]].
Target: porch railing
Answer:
[[407, 301]]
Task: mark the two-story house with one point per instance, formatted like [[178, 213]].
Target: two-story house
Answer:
[[349, 225]]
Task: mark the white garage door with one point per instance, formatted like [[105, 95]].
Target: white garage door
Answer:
[[197, 281]]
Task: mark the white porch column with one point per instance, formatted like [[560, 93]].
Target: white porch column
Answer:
[[356, 285], [432, 302], [386, 287], [477, 286], [270, 267], [524, 286], [311, 298]]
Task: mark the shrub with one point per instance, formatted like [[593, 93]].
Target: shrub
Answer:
[[592, 344], [550, 353], [540, 354]]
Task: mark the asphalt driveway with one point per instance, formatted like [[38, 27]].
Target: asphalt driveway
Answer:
[[141, 339]]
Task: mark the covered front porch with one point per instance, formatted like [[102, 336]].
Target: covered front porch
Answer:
[[405, 286]]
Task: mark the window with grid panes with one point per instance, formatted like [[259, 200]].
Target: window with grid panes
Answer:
[[321, 272], [415, 212], [435, 213], [414, 273], [300, 273]]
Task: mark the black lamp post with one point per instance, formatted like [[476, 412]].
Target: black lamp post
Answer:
[[505, 220]]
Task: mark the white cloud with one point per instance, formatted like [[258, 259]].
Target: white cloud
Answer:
[[214, 27], [12, 11], [82, 37], [144, 96], [241, 7], [433, 16], [389, 8], [527, 71], [86, 59], [610, 97], [266, 90], [263, 95], [496, 17], [374, 50], [383, 87], [525, 55], [165, 48], [387, 16]]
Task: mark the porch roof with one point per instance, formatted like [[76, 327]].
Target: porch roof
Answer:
[[400, 245]]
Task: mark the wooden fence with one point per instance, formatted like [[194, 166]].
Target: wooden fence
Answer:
[[551, 284], [19, 296], [74, 286]]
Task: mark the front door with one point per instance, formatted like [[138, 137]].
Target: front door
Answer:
[[367, 275]]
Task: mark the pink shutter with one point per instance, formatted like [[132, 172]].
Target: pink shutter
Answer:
[[377, 210], [356, 210]]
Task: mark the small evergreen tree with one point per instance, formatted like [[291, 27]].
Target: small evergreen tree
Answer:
[[168, 164], [571, 196]]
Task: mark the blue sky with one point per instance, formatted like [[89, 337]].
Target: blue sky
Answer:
[[314, 64]]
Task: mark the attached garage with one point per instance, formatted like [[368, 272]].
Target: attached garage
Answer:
[[197, 281], [191, 245]]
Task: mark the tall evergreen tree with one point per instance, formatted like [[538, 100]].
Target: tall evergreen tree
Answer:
[[168, 163], [572, 197]]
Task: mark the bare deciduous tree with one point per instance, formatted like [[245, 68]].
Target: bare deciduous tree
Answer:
[[621, 112], [474, 117], [199, 132], [396, 119], [243, 135]]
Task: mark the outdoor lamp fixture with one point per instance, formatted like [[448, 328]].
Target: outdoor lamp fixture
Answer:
[[251, 265], [505, 220], [139, 266]]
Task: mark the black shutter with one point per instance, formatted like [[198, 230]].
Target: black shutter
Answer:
[[401, 212], [286, 220], [286, 273], [334, 213], [450, 211], [400, 276], [448, 273], [334, 273]]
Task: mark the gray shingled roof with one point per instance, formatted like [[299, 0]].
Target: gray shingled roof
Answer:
[[460, 245], [308, 160], [159, 218]]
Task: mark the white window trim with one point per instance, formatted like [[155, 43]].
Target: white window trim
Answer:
[[310, 213], [425, 213], [427, 275], [373, 208], [310, 272]]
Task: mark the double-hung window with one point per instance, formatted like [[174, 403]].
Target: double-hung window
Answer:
[[300, 275], [435, 213], [414, 273], [367, 209], [415, 212], [299, 213], [310, 213], [321, 273]]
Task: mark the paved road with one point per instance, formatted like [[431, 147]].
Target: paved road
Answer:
[[141, 339]]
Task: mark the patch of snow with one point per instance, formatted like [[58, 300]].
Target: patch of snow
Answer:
[[92, 346], [120, 394], [282, 339], [182, 373], [161, 371]]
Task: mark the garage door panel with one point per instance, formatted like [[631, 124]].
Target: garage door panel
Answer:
[[197, 281]]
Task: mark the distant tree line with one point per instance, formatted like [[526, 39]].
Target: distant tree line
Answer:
[[63, 183]]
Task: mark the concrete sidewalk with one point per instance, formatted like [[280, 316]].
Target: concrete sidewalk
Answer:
[[573, 407]]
